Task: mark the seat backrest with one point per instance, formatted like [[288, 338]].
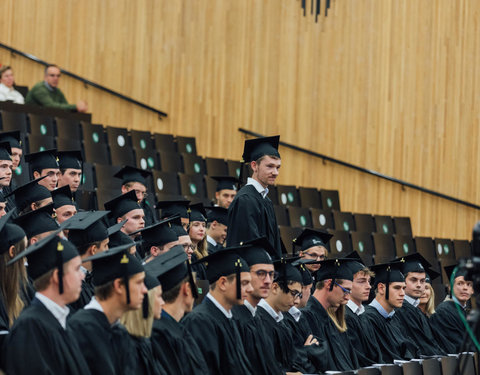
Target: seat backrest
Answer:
[[166, 182], [384, 247], [93, 133], [404, 245], [402, 225], [322, 219], [364, 223], [38, 143], [146, 158], [287, 195], [462, 249], [216, 167], [170, 162], [192, 185], [186, 145], [68, 144], [426, 247], [193, 164], [97, 153], [309, 197], [362, 243], [330, 199], [343, 220], [118, 137], [68, 128], [14, 121], [299, 216], [444, 248], [41, 125], [281, 215], [340, 243], [288, 234], [141, 140], [104, 177], [164, 142], [384, 224]]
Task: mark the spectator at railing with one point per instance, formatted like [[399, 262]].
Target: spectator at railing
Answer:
[[47, 94], [7, 91]]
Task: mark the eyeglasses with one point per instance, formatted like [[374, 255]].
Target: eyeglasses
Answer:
[[295, 293], [345, 291], [188, 247], [143, 193], [316, 257], [261, 274]]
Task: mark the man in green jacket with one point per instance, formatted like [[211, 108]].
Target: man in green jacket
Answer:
[[47, 93]]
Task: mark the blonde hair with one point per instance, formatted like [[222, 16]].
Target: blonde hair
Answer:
[[430, 306], [338, 317], [134, 322]]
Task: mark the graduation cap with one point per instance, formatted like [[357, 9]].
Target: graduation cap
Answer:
[[310, 237], [47, 254], [172, 267], [224, 263], [430, 275], [197, 212], [5, 151], [42, 160], [226, 182], [176, 226], [257, 251], [13, 138], [335, 269], [285, 270], [88, 227], [306, 275], [10, 233], [37, 221], [122, 204], [132, 174], [29, 193], [413, 263], [116, 228], [62, 197], [218, 214], [70, 159], [254, 149], [356, 264], [449, 270], [171, 208], [387, 273], [158, 234], [114, 263]]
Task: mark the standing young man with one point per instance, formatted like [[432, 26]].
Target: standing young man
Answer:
[[251, 214]]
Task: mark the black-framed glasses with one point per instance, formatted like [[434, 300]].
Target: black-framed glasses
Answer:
[[345, 291], [316, 257], [262, 274], [295, 293]]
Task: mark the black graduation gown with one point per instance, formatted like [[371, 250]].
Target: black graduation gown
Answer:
[[255, 342], [211, 248], [416, 326], [145, 362], [343, 355], [390, 337], [362, 339], [38, 344], [449, 329], [199, 269], [282, 341], [95, 335], [250, 216], [317, 355], [11, 199], [148, 212], [218, 339], [88, 291], [175, 349]]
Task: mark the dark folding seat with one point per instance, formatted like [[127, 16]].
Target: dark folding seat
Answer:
[[141, 140], [426, 247], [122, 155], [118, 136], [104, 177], [364, 223], [88, 177], [186, 145], [287, 195], [68, 128], [340, 243], [193, 164], [67, 144], [166, 182], [362, 243], [444, 249], [105, 195], [322, 219], [330, 199], [41, 125], [86, 200], [404, 245], [164, 142], [211, 186], [299, 216], [309, 197], [14, 121], [384, 247], [343, 220], [146, 159], [402, 225], [431, 366], [384, 224], [412, 368], [21, 174], [96, 153], [38, 143], [216, 167], [273, 194], [288, 234], [281, 214], [93, 133], [234, 166], [192, 185], [121, 151], [462, 249], [170, 162]]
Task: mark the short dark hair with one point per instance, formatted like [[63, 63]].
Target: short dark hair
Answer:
[[171, 295], [83, 248], [42, 282], [105, 291], [51, 66], [230, 278]]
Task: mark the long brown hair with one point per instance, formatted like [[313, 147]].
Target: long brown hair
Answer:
[[338, 317], [11, 278]]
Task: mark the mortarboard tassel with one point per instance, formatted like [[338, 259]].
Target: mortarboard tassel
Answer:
[[337, 264], [145, 306], [124, 261], [60, 266], [240, 177], [193, 287], [238, 266], [388, 283]]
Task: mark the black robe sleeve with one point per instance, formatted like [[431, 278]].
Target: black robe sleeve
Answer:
[[88, 291]]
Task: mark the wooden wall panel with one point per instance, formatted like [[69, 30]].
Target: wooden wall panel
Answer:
[[388, 85]]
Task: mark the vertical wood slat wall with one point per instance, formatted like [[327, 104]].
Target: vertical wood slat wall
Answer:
[[388, 85]]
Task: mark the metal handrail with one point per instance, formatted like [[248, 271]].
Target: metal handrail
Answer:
[[368, 171], [86, 81]]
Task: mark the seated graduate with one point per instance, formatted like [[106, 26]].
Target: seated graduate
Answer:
[[44, 164], [41, 341], [285, 290], [126, 207], [173, 208], [217, 220], [136, 179], [210, 323], [389, 287], [88, 232], [139, 323], [70, 163], [225, 191], [410, 319], [446, 322], [63, 204], [427, 299], [183, 237], [119, 287], [197, 233], [174, 347], [31, 196], [14, 140], [334, 284], [257, 253]]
